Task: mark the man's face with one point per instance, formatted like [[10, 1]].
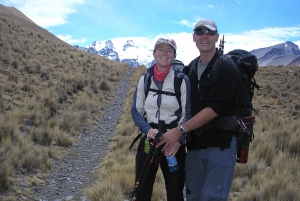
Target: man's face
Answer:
[[204, 39]]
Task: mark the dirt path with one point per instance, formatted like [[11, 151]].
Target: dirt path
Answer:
[[74, 172]]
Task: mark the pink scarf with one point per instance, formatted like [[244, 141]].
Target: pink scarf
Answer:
[[160, 76]]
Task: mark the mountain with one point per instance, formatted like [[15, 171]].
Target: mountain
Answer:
[[23, 21], [125, 52], [281, 54], [50, 92]]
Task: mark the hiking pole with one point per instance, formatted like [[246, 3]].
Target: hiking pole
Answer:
[[221, 46], [143, 171], [153, 158]]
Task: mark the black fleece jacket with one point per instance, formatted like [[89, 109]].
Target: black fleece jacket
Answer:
[[221, 96]]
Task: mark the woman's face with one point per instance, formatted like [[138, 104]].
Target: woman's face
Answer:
[[164, 54]]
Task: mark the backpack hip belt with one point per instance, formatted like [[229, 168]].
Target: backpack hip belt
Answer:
[[229, 123]]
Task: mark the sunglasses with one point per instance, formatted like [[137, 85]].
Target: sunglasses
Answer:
[[200, 32]]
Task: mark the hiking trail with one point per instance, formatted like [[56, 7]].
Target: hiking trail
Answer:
[[75, 170]]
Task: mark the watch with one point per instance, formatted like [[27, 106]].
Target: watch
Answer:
[[181, 129]]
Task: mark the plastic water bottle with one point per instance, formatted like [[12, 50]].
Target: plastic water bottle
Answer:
[[172, 163]]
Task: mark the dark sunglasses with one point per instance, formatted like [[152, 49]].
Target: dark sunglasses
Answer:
[[200, 32]]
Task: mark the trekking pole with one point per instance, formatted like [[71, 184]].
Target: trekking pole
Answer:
[[146, 167], [142, 174], [221, 46], [153, 156]]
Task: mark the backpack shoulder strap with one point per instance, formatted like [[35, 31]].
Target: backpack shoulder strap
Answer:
[[147, 82], [177, 84], [215, 67], [188, 69], [178, 77]]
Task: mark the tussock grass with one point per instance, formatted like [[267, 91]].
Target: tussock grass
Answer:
[[272, 172], [118, 168], [49, 91]]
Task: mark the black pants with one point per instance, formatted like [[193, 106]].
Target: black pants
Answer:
[[174, 182]]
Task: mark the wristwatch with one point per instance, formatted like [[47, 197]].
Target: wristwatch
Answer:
[[181, 129]]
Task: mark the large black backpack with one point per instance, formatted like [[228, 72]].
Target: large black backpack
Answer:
[[247, 66]]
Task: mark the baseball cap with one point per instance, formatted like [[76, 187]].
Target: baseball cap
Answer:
[[208, 23], [166, 40]]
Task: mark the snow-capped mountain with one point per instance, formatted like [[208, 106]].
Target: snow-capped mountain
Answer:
[[126, 52], [285, 54], [122, 50]]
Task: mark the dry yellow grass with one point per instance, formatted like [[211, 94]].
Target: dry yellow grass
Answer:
[[272, 172], [117, 169], [45, 83], [49, 91]]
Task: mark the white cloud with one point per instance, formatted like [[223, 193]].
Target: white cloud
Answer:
[[70, 40], [297, 43], [266, 37], [238, 1], [186, 23], [187, 51], [249, 40], [189, 24], [46, 13], [186, 48]]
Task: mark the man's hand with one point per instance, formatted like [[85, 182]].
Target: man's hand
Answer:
[[169, 139], [173, 150]]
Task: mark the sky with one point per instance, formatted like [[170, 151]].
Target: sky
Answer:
[[245, 24]]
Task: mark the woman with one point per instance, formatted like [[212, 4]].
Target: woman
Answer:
[[160, 107]]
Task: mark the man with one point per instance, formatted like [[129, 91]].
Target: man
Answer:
[[211, 149]]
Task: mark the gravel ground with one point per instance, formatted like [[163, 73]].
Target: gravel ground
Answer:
[[74, 172]]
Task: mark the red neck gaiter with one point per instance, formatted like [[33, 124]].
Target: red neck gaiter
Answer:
[[160, 76]]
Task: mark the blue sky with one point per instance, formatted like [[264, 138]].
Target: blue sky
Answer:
[[246, 24]]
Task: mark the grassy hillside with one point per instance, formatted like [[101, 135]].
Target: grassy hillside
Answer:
[[272, 172], [49, 91]]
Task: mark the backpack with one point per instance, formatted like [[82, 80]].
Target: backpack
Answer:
[[178, 67], [247, 66]]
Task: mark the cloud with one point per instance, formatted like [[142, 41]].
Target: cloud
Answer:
[[47, 13], [186, 23], [248, 40], [238, 1], [255, 39], [297, 43], [70, 40], [189, 24], [187, 51]]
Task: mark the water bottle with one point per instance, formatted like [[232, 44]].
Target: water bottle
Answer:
[[243, 141], [172, 163]]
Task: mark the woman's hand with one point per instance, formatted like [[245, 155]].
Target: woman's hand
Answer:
[[151, 133]]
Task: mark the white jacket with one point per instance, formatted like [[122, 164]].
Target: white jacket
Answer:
[[160, 106]]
